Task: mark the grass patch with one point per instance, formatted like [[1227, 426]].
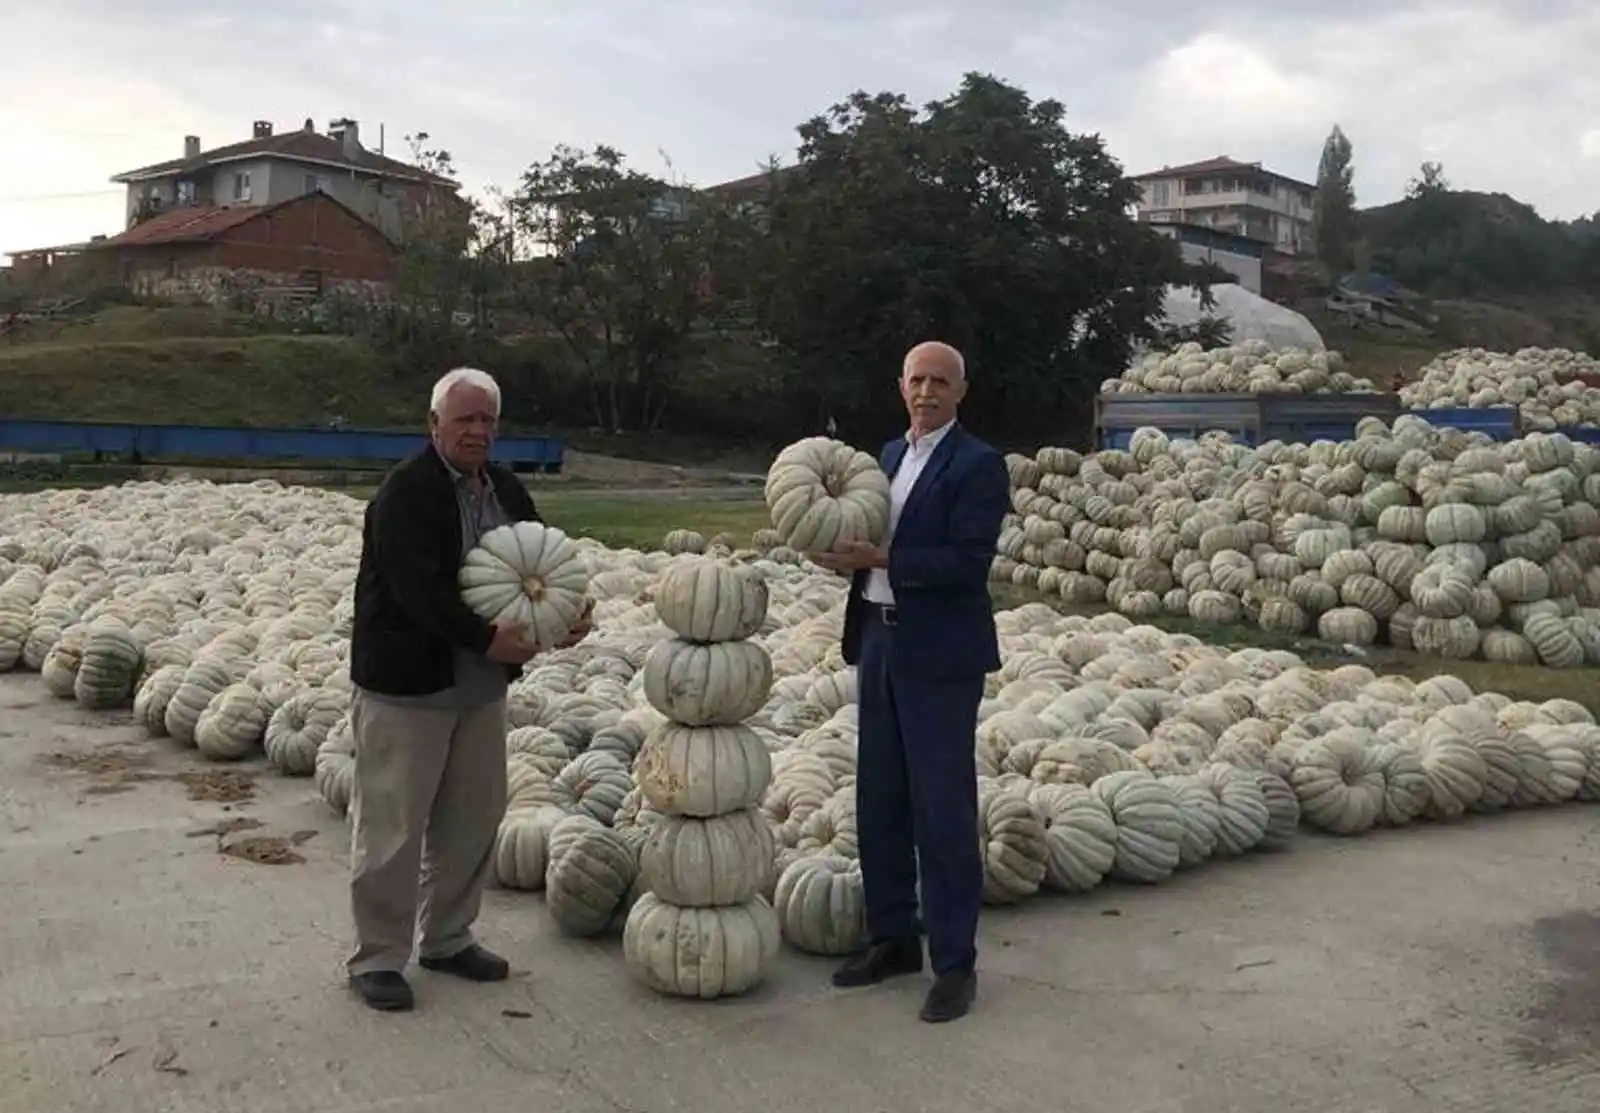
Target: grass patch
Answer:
[[640, 522], [246, 380]]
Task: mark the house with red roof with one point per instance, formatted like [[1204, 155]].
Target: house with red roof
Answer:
[[290, 216], [272, 167], [297, 250]]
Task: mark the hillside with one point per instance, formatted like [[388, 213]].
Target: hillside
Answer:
[[179, 365]]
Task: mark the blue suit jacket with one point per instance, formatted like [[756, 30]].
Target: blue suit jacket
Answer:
[[939, 562]]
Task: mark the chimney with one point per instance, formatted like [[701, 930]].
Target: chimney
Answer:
[[191, 146], [262, 129], [310, 126], [349, 134]]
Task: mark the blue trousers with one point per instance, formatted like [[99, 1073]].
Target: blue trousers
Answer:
[[917, 802]]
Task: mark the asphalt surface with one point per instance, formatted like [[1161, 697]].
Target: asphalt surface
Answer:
[[142, 969]]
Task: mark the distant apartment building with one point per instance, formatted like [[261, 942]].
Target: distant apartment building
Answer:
[[1231, 197]]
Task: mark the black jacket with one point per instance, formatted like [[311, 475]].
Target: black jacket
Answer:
[[409, 616]]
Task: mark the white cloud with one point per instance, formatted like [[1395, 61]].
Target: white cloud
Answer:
[[1502, 93], [1493, 93]]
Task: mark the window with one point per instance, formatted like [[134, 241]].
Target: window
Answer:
[[1161, 194], [241, 186], [313, 183], [185, 192]]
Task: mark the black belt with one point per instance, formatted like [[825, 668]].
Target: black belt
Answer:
[[884, 613]]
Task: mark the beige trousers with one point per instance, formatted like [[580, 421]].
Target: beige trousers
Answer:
[[430, 791]]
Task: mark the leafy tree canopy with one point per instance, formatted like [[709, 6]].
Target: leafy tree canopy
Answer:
[[980, 220]]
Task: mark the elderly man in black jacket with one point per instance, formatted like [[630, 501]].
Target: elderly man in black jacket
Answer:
[[429, 706]]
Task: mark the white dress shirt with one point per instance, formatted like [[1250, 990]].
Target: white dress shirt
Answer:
[[919, 450]]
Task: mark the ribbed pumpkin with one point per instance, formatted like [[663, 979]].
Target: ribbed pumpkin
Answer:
[[1080, 836], [820, 492], [703, 771], [707, 600], [700, 952], [590, 872], [529, 574], [522, 847], [821, 904], [110, 662], [298, 727], [1011, 834], [707, 685], [232, 725], [721, 860], [1149, 829]]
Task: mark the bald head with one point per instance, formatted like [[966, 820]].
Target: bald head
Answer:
[[933, 381]]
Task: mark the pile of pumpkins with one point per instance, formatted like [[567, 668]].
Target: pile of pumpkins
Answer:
[[1249, 367], [1550, 387], [1424, 538], [1106, 748]]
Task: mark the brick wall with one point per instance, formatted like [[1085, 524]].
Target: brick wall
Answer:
[[317, 235]]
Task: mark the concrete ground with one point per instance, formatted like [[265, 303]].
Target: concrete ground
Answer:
[[141, 969]]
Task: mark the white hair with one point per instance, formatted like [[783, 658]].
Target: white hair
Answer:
[[949, 353], [469, 376]]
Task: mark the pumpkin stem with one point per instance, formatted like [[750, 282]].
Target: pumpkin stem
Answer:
[[533, 588]]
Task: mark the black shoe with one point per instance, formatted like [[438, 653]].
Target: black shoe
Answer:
[[951, 996], [473, 963], [384, 990], [885, 959]]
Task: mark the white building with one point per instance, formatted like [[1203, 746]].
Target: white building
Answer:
[[1240, 256], [1226, 195]]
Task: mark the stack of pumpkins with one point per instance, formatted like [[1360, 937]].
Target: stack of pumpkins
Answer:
[[702, 927], [1436, 540], [1550, 387], [1249, 367]]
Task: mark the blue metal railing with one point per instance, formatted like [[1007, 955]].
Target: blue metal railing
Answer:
[[153, 442]]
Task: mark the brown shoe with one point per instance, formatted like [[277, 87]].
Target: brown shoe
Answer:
[[888, 958]]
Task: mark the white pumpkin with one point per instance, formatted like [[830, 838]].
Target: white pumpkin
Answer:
[[703, 771], [821, 492], [821, 904], [700, 952], [590, 873], [707, 685], [522, 847], [702, 862], [709, 600], [232, 725], [526, 574]]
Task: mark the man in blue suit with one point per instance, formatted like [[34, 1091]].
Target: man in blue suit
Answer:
[[920, 631]]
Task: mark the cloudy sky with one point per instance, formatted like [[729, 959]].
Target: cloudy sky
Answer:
[[1505, 93]]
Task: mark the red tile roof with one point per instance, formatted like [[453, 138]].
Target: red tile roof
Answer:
[[1220, 164], [299, 144], [198, 223], [191, 224], [752, 183]]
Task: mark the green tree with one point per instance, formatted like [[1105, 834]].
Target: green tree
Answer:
[[980, 220], [1429, 181], [621, 271], [452, 260], [455, 252], [1334, 214]]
